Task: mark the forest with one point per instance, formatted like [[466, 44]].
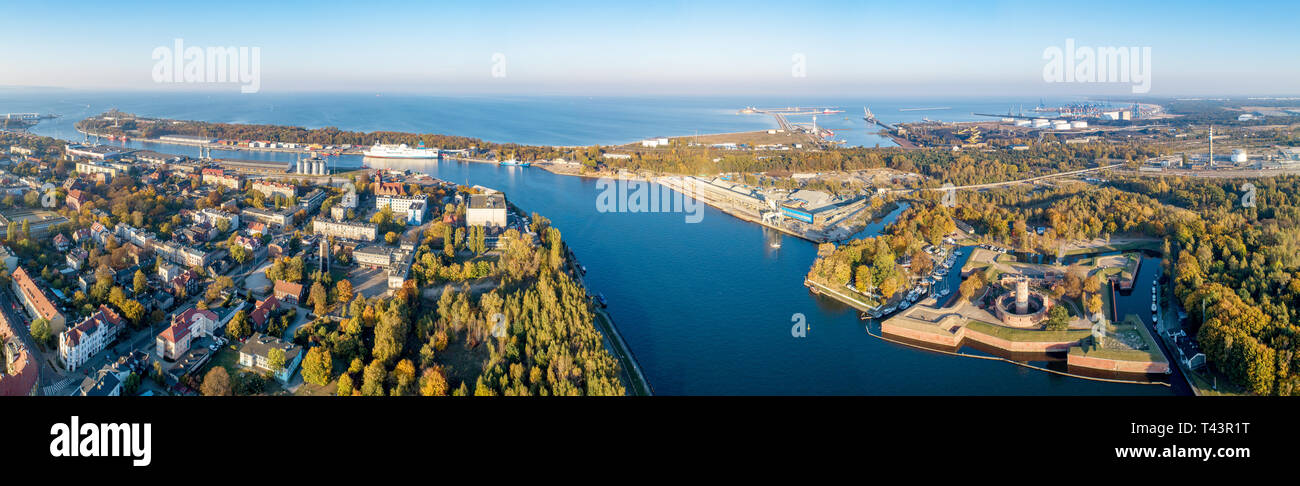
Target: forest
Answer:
[[531, 332]]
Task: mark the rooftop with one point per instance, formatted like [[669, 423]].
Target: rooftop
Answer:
[[487, 201]]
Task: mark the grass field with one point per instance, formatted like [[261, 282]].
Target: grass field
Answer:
[[1154, 245], [1027, 335]]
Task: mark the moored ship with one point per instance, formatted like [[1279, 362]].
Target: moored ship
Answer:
[[401, 152]]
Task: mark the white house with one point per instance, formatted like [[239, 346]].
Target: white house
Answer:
[[78, 344]]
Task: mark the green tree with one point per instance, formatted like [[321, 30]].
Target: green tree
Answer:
[[239, 328], [317, 366], [1058, 318], [41, 332], [275, 360], [140, 283], [345, 385], [390, 336], [372, 384]]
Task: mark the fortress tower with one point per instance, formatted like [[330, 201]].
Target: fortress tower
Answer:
[[1022, 296]]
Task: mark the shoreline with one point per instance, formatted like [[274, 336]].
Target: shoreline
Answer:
[[217, 146]]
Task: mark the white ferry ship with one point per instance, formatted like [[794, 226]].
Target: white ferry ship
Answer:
[[401, 152]]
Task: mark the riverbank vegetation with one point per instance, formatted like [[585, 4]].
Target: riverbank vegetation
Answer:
[[875, 267], [530, 331]]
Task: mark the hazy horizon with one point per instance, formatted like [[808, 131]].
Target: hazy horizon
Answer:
[[591, 48]]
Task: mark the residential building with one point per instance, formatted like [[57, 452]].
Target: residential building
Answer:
[[345, 229], [275, 218], [486, 210], [288, 291], [271, 188], [256, 228], [262, 312], [20, 371], [75, 199], [221, 177], [256, 352], [412, 208], [168, 272], [349, 200], [312, 201], [212, 216], [35, 300], [78, 344], [103, 383], [175, 341], [76, 258]]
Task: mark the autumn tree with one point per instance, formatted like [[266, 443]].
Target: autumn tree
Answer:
[[216, 383], [140, 283], [372, 384], [239, 328], [317, 366], [433, 383], [319, 297], [343, 291]]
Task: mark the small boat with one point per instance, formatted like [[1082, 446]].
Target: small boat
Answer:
[[776, 244], [904, 305], [583, 269], [515, 163], [600, 299]]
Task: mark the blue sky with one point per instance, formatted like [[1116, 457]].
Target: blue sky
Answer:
[[605, 47]]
